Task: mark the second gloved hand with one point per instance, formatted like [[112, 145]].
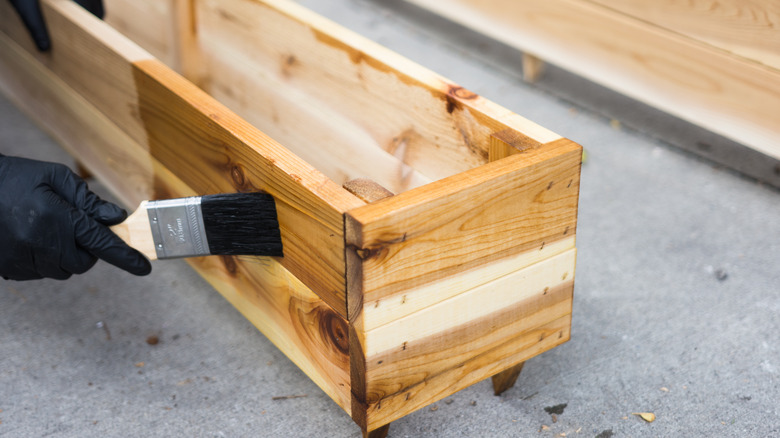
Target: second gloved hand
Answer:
[[30, 13], [52, 225]]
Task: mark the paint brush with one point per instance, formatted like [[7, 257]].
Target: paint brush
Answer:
[[227, 224]]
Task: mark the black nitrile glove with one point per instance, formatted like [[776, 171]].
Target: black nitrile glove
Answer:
[[30, 12], [52, 225]]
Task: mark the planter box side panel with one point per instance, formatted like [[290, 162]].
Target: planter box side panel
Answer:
[[456, 281], [200, 141], [298, 321], [349, 92]]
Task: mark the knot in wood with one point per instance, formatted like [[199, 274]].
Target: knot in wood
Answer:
[[230, 264], [461, 92], [335, 329], [237, 174]]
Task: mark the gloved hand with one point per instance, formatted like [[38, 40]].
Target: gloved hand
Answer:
[[52, 225], [30, 12]]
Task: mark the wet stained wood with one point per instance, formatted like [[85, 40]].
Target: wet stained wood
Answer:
[[378, 433], [506, 379]]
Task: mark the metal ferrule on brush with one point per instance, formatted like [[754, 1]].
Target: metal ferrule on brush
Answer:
[[177, 228]]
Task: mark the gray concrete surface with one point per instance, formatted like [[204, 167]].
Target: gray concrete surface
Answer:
[[676, 312]]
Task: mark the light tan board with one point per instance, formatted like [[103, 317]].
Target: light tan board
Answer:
[[393, 309], [293, 317], [679, 74], [199, 140], [748, 28]]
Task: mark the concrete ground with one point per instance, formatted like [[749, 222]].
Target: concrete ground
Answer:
[[676, 312]]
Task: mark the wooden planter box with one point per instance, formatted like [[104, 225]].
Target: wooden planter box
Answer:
[[388, 305]]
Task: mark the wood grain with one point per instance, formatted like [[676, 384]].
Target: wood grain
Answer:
[[308, 331], [382, 311], [148, 23], [509, 142], [469, 305], [416, 320], [678, 74], [76, 124], [506, 379], [207, 146], [401, 382], [378, 100], [417, 258], [224, 153], [748, 28], [294, 318], [414, 238], [367, 189], [166, 28]]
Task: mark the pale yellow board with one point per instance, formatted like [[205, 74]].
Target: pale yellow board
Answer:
[[383, 311], [471, 305]]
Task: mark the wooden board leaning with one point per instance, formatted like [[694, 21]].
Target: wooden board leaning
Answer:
[[713, 65]]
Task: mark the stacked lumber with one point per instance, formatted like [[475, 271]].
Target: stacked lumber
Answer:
[[429, 234]]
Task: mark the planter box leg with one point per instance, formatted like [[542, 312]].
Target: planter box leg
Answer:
[[533, 68], [378, 433], [506, 379]]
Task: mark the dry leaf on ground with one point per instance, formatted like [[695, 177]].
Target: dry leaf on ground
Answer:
[[647, 416]]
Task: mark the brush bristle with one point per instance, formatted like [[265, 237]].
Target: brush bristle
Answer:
[[241, 224]]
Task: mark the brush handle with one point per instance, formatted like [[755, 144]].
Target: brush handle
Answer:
[[137, 232]]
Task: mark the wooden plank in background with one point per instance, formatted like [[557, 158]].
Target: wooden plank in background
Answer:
[[725, 94], [748, 28]]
